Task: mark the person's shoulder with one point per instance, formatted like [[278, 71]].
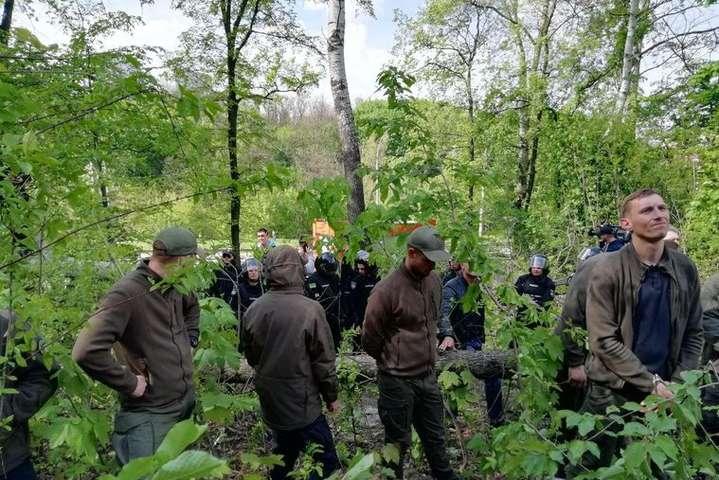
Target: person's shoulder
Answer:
[[454, 284], [132, 282], [682, 263]]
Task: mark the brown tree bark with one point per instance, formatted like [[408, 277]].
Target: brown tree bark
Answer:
[[343, 107], [482, 364]]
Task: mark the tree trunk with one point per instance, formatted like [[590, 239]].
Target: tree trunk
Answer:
[[471, 149], [6, 22], [232, 110], [629, 58], [482, 364], [343, 107]]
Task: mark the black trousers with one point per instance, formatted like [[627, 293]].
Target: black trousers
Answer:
[[24, 471], [291, 443], [417, 401]]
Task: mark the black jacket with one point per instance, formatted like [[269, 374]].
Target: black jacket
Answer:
[[360, 288], [225, 285], [326, 290], [540, 289], [466, 326], [35, 386], [248, 294]]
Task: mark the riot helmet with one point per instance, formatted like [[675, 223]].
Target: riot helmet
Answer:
[[538, 260], [326, 264]]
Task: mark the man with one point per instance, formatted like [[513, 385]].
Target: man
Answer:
[[400, 333], [290, 346], [453, 271], [673, 238], [250, 287], [608, 240], [227, 279], [307, 254], [365, 279], [323, 286], [643, 316], [153, 329], [537, 285], [710, 324], [468, 328], [34, 385], [264, 242], [572, 377]]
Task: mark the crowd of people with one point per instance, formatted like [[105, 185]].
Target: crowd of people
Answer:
[[637, 298]]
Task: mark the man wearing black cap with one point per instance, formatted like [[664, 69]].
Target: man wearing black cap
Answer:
[[400, 333], [151, 329]]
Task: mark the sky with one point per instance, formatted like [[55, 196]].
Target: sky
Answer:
[[368, 40]]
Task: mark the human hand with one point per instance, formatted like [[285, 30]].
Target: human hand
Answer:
[[140, 387], [578, 376], [333, 407], [662, 389], [447, 344]]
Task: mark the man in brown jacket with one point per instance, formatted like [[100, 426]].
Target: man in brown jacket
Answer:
[[643, 316], [289, 344], [400, 333], [152, 331]]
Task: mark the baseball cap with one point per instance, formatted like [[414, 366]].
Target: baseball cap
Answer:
[[175, 242], [427, 240]]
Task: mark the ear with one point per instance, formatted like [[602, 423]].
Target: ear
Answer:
[[626, 224]]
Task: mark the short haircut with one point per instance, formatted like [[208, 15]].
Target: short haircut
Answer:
[[643, 193], [262, 230]]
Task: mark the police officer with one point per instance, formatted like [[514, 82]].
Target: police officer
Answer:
[[250, 287], [537, 283], [226, 282], [324, 287]]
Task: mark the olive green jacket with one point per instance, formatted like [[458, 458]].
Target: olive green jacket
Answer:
[[611, 300]]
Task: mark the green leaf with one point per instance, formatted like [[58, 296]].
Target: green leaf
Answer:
[[390, 453], [193, 464], [634, 455], [138, 468], [182, 435], [360, 469]]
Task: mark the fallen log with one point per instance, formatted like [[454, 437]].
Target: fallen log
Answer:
[[482, 364]]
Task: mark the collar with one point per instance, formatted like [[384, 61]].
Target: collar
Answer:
[[665, 263], [144, 268], [403, 268]]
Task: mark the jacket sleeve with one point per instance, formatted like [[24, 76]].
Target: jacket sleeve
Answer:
[[321, 351], [693, 341], [374, 326], [572, 317], [253, 351], [92, 350], [605, 338], [449, 303], [192, 317], [35, 386]]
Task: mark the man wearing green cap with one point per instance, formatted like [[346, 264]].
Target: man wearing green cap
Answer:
[[139, 342], [400, 333]]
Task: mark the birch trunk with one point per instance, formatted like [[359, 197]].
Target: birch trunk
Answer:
[[629, 59], [343, 108]]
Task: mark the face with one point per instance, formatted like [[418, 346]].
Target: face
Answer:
[[253, 274], [537, 271], [468, 277], [647, 218], [262, 238], [418, 264], [227, 259], [361, 269]]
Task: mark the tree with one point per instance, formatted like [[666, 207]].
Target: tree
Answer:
[[343, 107], [443, 43], [6, 21], [249, 71]]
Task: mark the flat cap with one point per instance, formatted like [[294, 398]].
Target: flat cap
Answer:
[[175, 242]]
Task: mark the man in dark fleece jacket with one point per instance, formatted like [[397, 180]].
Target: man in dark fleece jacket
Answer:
[[34, 385], [152, 330], [400, 333], [289, 344]]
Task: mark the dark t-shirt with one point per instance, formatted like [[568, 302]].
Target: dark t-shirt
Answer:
[[652, 322]]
